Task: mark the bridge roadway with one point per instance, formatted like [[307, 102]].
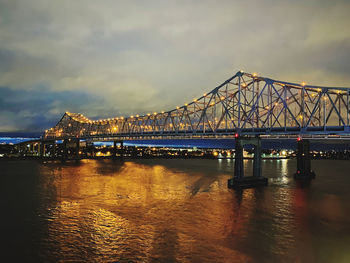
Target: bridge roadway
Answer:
[[245, 107]]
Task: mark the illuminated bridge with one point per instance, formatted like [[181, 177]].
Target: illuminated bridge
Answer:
[[246, 107], [246, 104]]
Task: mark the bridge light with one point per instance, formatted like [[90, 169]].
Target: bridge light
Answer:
[[319, 90], [177, 107], [137, 115], [303, 84], [162, 111], [267, 107], [241, 71], [131, 116], [186, 104], [155, 113], [255, 74], [222, 98], [148, 114], [195, 100], [205, 94], [244, 85], [338, 91]]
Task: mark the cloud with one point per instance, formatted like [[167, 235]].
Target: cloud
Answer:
[[37, 109], [141, 56]]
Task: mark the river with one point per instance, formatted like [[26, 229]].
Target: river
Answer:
[[172, 210]]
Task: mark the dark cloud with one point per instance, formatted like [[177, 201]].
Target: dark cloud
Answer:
[[38, 109]]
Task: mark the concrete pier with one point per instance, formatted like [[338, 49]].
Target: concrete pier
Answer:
[[304, 171], [239, 180]]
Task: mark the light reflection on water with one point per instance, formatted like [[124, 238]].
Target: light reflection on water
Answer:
[[174, 211]]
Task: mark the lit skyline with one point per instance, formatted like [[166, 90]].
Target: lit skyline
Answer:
[[115, 58]]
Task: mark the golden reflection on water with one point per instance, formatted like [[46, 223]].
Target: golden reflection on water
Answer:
[[131, 210], [181, 211]]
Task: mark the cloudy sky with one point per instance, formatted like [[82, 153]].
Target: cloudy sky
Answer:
[[112, 58]]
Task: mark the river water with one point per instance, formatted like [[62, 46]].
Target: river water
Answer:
[[172, 210]]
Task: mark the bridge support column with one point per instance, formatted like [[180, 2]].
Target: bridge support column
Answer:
[[54, 150], [304, 171], [239, 168], [31, 149], [36, 149], [257, 160], [239, 180], [42, 149]]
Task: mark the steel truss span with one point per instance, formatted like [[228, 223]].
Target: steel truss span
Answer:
[[246, 104]]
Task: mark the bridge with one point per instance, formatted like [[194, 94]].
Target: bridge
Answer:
[[245, 106]]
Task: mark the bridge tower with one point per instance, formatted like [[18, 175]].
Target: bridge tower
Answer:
[[239, 180], [304, 171]]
